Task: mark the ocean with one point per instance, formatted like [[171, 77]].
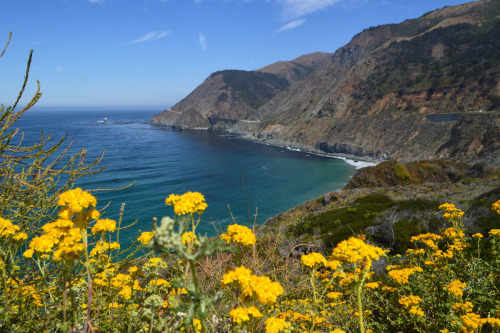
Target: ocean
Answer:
[[253, 180]]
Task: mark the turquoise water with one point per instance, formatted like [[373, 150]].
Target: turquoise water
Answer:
[[247, 176]]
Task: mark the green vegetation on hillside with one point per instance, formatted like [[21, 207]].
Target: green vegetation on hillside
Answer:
[[254, 88], [393, 173], [461, 55]]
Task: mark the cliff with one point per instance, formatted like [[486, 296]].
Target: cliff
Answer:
[[421, 89]]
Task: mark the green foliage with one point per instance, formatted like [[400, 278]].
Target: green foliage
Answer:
[[393, 173], [336, 225], [255, 88], [469, 61]]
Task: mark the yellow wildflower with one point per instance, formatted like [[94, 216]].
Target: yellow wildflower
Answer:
[[496, 207], [428, 239], [156, 263], [104, 225], [7, 229], [103, 247], [28, 253], [189, 238], [452, 233], [416, 311], [240, 314], [77, 200], [408, 301], [451, 212], [494, 233], [159, 283], [276, 325], [20, 236], [260, 288], [355, 250], [401, 276], [313, 260], [188, 203], [145, 237], [373, 285], [472, 322], [239, 234], [463, 307], [456, 287], [334, 295]]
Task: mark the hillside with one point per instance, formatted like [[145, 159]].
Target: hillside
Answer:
[[390, 203], [424, 88], [236, 95]]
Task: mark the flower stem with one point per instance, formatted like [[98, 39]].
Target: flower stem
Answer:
[[359, 289]]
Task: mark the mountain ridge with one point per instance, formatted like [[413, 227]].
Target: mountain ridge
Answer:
[[365, 97]]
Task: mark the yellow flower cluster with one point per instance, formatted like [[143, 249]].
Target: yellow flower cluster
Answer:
[[9, 230], [473, 322], [159, 283], [125, 285], [313, 260], [428, 239], [102, 247], [241, 314], [188, 203], [145, 237], [452, 233], [60, 234], [26, 292], [463, 307], [451, 212], [408, 301], [416, 311], [276, 325], [104, 225], [77, 200], [239, 234], [356, 251], [255, 287], [401, 276], [494, 233], [156, 263], [334, 295], [79, 206], [189, 238], [496, 207], [456, 287], [373, 285]]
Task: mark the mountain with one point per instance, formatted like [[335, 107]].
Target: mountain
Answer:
[[237, 95], [421, 89]]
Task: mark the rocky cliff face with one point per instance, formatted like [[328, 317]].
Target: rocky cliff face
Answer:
[[409, 91], [235, 94]]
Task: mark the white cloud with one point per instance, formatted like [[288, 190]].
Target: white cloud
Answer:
[[291, 25], [150, 36], [298, 8], [100, 2], [58, 68], [203, 41]]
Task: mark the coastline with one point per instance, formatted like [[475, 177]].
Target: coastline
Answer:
[[357, 161]]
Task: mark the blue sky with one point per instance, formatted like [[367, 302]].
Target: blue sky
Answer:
[[152, 53]]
